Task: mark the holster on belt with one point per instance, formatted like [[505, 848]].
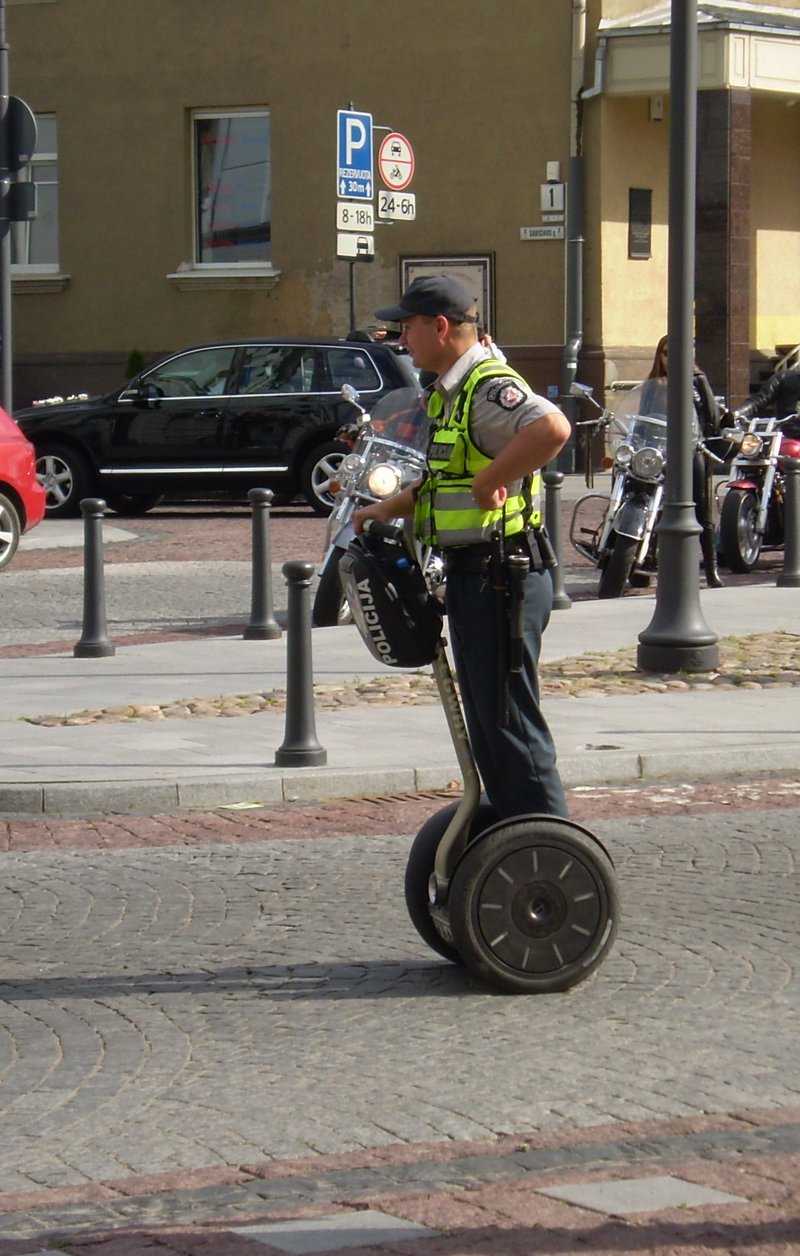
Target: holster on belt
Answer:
[[544, 545], [507, 574], [517, 569]]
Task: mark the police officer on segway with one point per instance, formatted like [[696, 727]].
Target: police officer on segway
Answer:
[[507, 885], [480, 503]]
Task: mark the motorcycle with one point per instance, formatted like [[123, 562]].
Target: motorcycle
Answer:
[[621, 541], [387, 452], [752, 509], [617, 531]]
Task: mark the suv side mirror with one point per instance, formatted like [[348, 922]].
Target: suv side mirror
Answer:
[[146, 394]]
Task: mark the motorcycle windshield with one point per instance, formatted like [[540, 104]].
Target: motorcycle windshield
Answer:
[[401, 416], [640, 416]]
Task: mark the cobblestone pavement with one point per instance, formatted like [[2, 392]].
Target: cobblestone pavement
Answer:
[[756, 661], [212, 1023], [218, 1020], [190, 533], [182, 572], [187, 571]]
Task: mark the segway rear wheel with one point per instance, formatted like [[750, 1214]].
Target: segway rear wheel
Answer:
[[534, 905], [420, 866]]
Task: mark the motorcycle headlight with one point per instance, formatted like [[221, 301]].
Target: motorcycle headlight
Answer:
[[750, 446], [622, 456], [647, 463], [352, 463], [383, 480]]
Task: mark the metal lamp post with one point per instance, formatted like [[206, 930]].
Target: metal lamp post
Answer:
[[678, 638]]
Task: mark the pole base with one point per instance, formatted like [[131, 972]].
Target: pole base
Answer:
[[300, 757], [677, 658], [262, 632], [94, 650]]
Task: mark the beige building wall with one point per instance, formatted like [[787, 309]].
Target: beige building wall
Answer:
[[634, 290], [482, 91], [775, 218], [484, 100], [626, 300]]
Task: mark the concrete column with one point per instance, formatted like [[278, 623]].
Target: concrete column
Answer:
[[722, 284]]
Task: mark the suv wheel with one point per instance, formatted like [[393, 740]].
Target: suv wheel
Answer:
[[320, 468], [65, 477]]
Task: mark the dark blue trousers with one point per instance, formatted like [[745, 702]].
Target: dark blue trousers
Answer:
[[517, 764]]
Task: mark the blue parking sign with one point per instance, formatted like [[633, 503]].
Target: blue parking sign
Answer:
[[354, 177]]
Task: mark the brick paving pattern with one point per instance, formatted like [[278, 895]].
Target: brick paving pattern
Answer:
[[215, 1020], [211, 1022]]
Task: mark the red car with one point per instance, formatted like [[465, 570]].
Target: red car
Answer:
[[22, 498]]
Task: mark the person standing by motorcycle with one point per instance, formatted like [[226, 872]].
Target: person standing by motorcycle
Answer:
[[491, 435], [709, 418], [781, 394]]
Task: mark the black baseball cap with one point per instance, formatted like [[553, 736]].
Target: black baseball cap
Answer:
[[433, 294]]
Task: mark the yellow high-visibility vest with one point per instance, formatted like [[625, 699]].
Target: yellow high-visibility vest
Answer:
[[446, 513]]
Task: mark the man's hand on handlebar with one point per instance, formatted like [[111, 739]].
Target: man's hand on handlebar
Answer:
[[375, 511], [401, 506]]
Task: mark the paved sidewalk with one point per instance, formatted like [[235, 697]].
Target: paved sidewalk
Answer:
[[227, 1047], [198, 761]]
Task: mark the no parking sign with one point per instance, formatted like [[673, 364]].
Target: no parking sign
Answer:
[[396, 161]]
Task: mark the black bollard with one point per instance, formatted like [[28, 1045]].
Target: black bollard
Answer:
[[553, 481], [789, 576], [94, 642], [262, 626], [300, 747]]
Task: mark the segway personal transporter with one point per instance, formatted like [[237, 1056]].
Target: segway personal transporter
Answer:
[[529, 904]]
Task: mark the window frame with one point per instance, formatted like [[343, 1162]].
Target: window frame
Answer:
[[221, 267], [21, 231]]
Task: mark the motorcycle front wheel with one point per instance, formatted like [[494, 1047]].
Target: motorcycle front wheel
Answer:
[[330, 607], [739, 542], [615, 574]]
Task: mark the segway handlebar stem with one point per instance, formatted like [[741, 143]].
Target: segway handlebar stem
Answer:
[[456, 835]]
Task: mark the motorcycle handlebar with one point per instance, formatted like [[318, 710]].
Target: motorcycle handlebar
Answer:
[[703, 447], [602, 420], [390, 531]]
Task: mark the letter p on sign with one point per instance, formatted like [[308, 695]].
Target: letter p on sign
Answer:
[[355, 137]]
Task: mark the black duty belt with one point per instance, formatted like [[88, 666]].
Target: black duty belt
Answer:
[[474, 558]]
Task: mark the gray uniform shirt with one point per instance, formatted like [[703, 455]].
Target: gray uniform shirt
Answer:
[[500, 407]]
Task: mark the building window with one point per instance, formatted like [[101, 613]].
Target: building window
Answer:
[[34, 244], [640, 222], [233, 188]]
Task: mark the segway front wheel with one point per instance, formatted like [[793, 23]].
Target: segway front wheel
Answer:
[[534, 905], [420, 866]]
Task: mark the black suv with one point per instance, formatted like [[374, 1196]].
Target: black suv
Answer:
[[214, 419]]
